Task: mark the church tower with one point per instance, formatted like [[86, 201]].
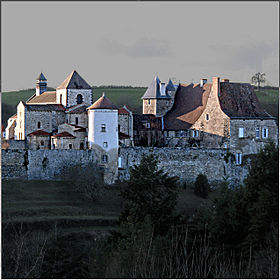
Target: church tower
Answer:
[[41, 84]]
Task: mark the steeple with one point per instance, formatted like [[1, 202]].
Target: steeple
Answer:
[[41, 84]]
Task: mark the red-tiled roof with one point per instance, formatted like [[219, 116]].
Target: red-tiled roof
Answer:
[[63, 134], [123, 111], [44, 98], [39, 133], [102, 103], [189, 104]]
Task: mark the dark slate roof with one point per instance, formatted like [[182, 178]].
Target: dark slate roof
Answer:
[[170, 86], [77, 109], [139, 122], [47, 107], [102, 103], [190, 101], [153, 90], [240, 100], [41, 77], [74, 81], [45, 97]]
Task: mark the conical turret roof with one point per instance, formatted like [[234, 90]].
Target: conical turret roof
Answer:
[[41, 77], [74, 81], [102, 103]]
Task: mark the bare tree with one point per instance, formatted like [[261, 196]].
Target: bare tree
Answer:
[[258, 79]]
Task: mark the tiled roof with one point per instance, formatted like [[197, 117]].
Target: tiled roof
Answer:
[[74, 81], [47, 107], [190, 101], [240, 100], [46, 97], [123, 111], [41, 77], [63, 134], [77, 109], [102, 103], [39, 133], [153, 90], [123, 135]]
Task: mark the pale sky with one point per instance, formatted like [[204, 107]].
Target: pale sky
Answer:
[[127, 43]]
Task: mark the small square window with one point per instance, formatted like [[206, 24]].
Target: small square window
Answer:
[[105, 144], [103, 127], [104, 158], [241, 132], [148, 125], [195, 133]]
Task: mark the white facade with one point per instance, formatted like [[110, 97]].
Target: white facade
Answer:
[[103, 128]]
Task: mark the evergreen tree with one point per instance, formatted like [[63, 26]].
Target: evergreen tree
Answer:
[[150, 192], [201, 186]]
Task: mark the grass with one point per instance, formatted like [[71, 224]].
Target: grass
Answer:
[[268, 96]]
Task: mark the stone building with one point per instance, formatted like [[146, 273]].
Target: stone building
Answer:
[[158, 98]]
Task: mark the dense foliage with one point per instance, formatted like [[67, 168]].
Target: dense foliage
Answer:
[[201, 186]]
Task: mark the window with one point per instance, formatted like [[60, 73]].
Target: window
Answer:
[[104, 158], [241, 132], [103, 127], [53, 146], [148, 125], [70, 146], [81, 146], [79, 99], [225, 145], [238, 157], [119, 162], [39, 124], [76, 120], [60, 99], [265, 132], [149, 101], [195, 133], [257, 132], [42, 143], [207, 117], [105, 144]]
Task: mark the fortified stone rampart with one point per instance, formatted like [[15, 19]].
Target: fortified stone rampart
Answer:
[[186, 163]]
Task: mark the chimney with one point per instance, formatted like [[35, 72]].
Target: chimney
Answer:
[[225, 80], [203, 82], [216, 86]]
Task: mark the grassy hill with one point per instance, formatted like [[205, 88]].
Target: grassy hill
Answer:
[[269, 98]]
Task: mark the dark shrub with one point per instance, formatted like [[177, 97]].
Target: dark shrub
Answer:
[[201, 186]]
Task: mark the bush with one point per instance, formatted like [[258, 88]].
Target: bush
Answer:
[[201, 186], [86, 180]]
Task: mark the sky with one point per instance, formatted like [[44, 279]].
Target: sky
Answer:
[[128, 43]]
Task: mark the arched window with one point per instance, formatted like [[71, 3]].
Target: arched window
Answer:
[[39, 124], [79, 99]]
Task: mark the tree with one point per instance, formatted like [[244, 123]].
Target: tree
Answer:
[[149, 192], [201, 186], [258, 79]]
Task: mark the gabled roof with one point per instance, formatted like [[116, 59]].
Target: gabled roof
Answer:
[[46, 107], [170, 86], [74, 81], [123, 111], [240, 100], [77, 127], [39, 133], [189, 104], [102, 103], [44, 98], [153, 91], [63, 134], [41, 77]]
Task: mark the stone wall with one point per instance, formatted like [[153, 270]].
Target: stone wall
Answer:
[[186, 163], [181, 162], [73, 93]]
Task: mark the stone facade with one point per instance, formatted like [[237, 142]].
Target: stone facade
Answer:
[[78, 119], [73, 93], [39, 142]]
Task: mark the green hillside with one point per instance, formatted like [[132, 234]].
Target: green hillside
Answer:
[[131, 96]]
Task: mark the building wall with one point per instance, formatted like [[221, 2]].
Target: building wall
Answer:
[[38, 142], [82, 119], [10, 129], [58, 118], [33, 117], [63, 93], [162, 106], [21, 122], [217, 128], [72, 96], [250, 144], [149, 108]]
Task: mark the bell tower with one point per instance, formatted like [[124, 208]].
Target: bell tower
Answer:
[[41, 84]]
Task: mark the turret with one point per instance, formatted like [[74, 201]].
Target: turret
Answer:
[[41, 84]]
